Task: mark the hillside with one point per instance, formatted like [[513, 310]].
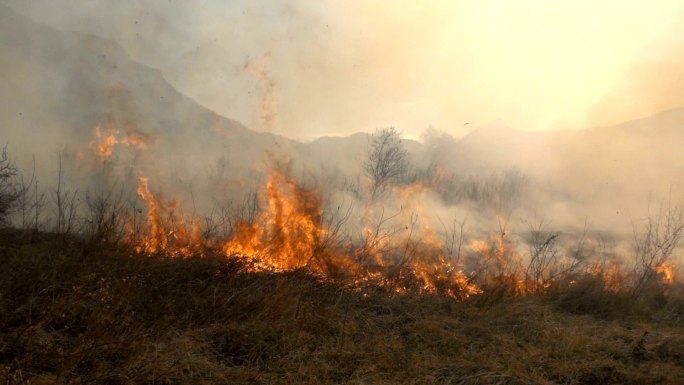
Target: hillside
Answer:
[[58, 86]]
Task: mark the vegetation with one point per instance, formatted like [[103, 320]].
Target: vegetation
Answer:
[[74, 313], [387, 160], [273, 291]]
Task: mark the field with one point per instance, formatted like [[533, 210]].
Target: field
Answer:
[[82, 312]]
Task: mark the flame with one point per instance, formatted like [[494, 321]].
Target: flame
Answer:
[[171, 235], [105, 142], [157, 239], [428, 264], [289, 233], [611, 275], [666, 272], [499, 263], [134, 140]]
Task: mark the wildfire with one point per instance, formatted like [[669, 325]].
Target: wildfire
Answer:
[[290, 234], [168, 232], [611, 275], [399, 252], [105, 144], [107, 139], [666, 272]]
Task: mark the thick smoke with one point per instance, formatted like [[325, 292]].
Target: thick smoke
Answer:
[[345, 67], [651, 86], [170, 77]]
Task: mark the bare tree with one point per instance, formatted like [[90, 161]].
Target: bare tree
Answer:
[[387, 159], [10, 190]]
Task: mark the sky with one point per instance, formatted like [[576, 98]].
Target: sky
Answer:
[[307, 68]]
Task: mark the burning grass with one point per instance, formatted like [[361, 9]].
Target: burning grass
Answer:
[[292, 233], [288, 295], [76, 313]]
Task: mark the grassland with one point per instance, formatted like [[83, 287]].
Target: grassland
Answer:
[[73, 312]]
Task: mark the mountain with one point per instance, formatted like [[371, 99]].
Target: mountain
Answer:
[[57, 86], [214, 77]]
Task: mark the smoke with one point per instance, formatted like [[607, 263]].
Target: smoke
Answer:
[[343, 67], [649, 87], [260, 68], [303, 69]]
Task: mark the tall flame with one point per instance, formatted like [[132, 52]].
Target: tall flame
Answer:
[[168, 234], [290, 234]]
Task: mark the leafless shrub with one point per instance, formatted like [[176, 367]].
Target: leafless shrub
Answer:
[[133, 221], [334, 238], [244, 212], [376, 239], [454, 239], [105, 214], [387, 160], [547, 262], [409, 249], [655, 244], [217, 223], [30, 202], [66, 205]]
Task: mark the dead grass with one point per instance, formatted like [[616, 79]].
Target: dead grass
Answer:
[[73, 313]]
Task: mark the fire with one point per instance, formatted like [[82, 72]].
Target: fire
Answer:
[[105, 144], [289, 234], [106, 141], [157, 239], [168, 232], [666, 272], [424, 258], [611, 275], [134, 140]]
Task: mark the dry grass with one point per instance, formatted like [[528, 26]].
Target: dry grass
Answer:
[[73, 313]]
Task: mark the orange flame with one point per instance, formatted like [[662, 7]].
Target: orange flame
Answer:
[[611, 275], [290, 235], [666, 271], [105, 142], [290, 232], [171, 236], [105, 145]]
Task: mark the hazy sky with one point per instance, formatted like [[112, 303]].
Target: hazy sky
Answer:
[[340, 66]]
